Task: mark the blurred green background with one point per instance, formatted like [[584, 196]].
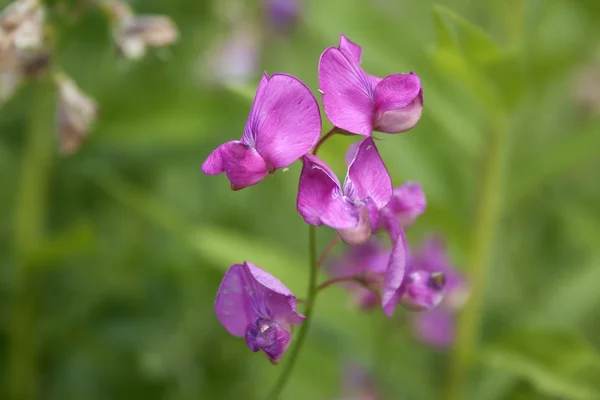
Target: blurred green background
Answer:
[[110, 259]]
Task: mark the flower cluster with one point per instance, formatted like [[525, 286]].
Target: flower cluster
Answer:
[[26, 52], [284, 125]]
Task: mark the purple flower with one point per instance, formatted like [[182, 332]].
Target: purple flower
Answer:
[[254, 305], [352, 209], [283, 14], [283, 125], [437, 327], [360, 103]]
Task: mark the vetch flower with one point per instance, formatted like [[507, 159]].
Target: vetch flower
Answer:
[[424, 290], [361, 103], [283, 125], [358, 384], [76, 113], [254, 305], [378, 266], [352, 209]]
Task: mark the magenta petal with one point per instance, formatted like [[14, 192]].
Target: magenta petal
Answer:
[[350, 49], [351, 152], [394, 275], [285, 122], [347, 93], [232, 304], [398, 103], [319, 196], [242, 164], [374, 80], [368, 176]]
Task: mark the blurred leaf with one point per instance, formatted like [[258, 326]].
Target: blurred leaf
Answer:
[[570, 152], [454, 32], [558, 363], [75, 240]]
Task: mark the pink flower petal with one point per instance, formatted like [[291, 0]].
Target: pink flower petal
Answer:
[[368, 176], [319, 196], [285, 122], [347, 93], [394, 275]]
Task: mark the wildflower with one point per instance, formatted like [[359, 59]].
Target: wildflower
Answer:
[[380, 268], [368, 262], [76, 113], [134, 34], [254, 305], [284, 123], [283, 14], [407, 203], [358, 384], [360, 103], [352, 209], [436, 327]]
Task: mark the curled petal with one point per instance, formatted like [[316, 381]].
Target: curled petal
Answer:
[[394, 275], [319, 196], [285, 122], [398, 103], [347, 92], [242, 164], [351, 152], [368, 176]]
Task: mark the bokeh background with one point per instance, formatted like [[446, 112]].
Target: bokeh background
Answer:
[[110, 258]]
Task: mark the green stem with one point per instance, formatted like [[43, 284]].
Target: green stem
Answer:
[[328, 135], [310, 301], [486, 224], [29, 219]]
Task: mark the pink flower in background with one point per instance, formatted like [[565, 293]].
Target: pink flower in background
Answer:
[[284, 124], [361, 103], [437, 327], [254, 305]]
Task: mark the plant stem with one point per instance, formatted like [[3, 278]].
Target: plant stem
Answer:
[[486, 224], [343, 279], [329, 134], [29, 219], [310, 300]]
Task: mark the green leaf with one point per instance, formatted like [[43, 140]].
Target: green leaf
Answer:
[[559, 363], [454, 32], [568, 153], [77, 239]]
